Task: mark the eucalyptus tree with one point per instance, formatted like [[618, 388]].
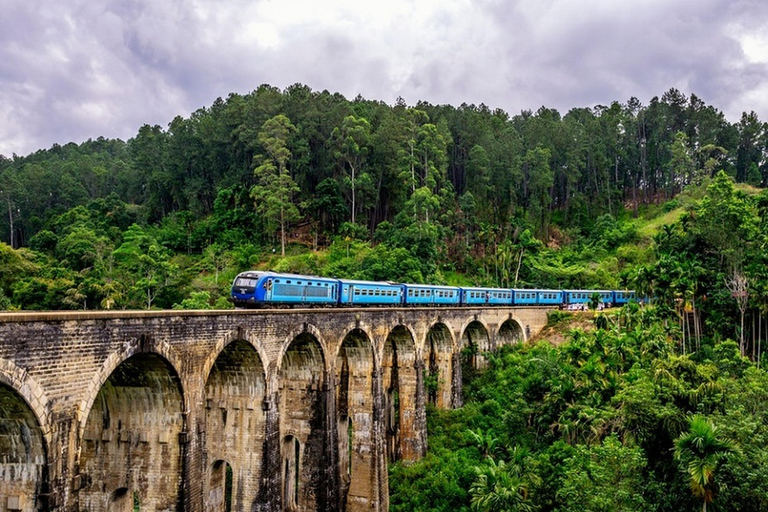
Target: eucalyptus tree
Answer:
[[273, 193], [352, 144]]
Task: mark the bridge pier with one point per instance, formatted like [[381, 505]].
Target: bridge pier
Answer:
[[228, 410]]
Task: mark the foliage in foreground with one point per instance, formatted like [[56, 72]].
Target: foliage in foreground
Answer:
[[613, 419]]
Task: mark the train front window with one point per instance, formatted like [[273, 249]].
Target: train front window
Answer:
[[245, 281]]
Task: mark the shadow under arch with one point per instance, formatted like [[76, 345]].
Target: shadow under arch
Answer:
[[133, 436], [439, 366], [475, 339], [239, 334], [356, 374], [141, 345], [235, 425], [304, 403], [23, 452], [220, 495], [510, 333], [400, 381], [11, 375]]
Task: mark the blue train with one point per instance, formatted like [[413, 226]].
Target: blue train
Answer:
[[254, 289]]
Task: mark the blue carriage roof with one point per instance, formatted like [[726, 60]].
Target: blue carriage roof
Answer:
[[369, 283]]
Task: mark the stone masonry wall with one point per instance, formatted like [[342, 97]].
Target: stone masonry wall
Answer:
[[99, 410]]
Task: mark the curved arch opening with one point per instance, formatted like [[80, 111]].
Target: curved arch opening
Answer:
[[291, 455], [474, 342], [510, 333], [23, 458], [399, 385], [122, 500], [355, 372], [132, 436], [220, 488], [236, 422], [439, 366], [303, 406]]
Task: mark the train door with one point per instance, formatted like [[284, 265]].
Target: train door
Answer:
[[351, 296], [268, 289]]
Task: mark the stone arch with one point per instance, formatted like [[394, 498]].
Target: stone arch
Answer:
[[142, 344], [235, 423], [510, 333], [304, 405], [438, 365], [307, 330], [355, 371], [134, 436], [400, 385], [475, 339], [27, 387], [239, 334], [23, 452]]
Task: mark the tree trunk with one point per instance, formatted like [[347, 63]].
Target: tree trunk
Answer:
[[741, 337], [353, 193], [10, 222], [282, 232]]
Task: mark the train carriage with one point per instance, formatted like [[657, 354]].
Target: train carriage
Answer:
[[536, 297], [492, 296], [252, 289], [622, 297], [370, 293], [582, 297], [257, 288], [431, 294]]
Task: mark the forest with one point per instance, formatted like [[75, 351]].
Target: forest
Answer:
[[661, 407]]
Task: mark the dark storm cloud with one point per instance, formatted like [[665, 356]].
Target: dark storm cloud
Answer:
[[75, 69]]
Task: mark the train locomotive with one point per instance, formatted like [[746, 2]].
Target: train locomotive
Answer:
[[254, 289]]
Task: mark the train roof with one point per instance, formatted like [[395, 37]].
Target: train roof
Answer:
[[259, 273], [372, 283], [589, 291], [441, 286], [485, 288]]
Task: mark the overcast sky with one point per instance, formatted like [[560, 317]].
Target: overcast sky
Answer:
[[77, 69]]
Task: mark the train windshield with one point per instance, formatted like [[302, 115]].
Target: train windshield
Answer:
[[249, 282]]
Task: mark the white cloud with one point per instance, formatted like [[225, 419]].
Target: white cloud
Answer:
[[76, 69]]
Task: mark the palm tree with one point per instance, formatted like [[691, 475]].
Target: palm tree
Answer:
[[701, 450], [500, 488]]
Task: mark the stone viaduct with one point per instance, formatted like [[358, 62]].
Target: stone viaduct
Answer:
[[279, 410]]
